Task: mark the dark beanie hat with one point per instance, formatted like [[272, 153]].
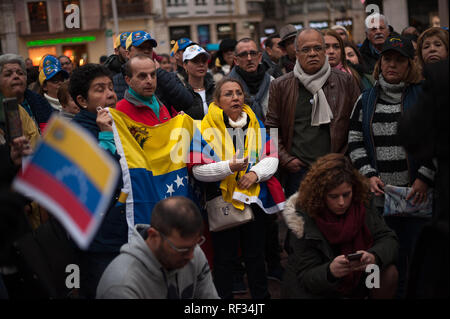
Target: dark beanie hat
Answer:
[[227, 45]]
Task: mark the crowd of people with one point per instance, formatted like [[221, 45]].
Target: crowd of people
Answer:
[[350, 120]]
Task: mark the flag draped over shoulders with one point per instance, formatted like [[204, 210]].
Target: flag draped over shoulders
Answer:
[[214, 143], [153, 161]]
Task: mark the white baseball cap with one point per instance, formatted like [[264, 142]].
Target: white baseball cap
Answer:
[[192, 51]]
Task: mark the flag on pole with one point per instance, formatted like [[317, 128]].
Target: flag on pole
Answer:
[[71, 176]]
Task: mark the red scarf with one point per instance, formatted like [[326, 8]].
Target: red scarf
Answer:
[[350, 233]]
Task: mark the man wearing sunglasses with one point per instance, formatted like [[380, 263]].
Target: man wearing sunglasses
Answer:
[[162, 260], [252, 74]]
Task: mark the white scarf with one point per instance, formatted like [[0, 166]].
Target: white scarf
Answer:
[[54, 103], [321, 111]]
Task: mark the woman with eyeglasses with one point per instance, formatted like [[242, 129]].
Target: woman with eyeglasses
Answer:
[[200, 83], [236, 165]]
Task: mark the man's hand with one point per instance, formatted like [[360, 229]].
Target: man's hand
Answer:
[[295, 165], [104, 120], [246, 181], [20, 147]]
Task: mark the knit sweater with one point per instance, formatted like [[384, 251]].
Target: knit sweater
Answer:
[[391, 158]]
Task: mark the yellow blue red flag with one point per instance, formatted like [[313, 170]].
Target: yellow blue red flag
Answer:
[[153, 162], [71, 176]]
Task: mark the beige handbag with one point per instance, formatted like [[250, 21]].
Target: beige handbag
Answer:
[[223, 215]]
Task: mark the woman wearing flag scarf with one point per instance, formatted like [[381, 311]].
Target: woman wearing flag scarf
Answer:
[[245, 182], [331, 217]]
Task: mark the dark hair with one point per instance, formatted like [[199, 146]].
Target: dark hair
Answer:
[[103, 59], [245, 40], [269, 43], [82, 77], [327, 173], [164, 55], [177, 213], [63, 93], [128, 70], [219, 85], [64, 56]]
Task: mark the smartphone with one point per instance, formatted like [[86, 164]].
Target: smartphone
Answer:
[[12, 118], [355, 256]]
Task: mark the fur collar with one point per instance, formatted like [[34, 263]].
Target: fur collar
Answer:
[[293, 220]]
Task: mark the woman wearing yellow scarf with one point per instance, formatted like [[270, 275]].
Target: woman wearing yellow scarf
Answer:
[[240, 181]]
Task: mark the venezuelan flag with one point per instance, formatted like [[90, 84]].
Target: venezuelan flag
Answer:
[[153, 162], [72, 177]]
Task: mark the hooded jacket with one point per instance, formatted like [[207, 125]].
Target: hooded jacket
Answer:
[[137, 274], [306, 273]]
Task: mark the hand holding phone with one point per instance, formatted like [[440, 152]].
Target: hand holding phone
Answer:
[[354, 256], [12, 119]]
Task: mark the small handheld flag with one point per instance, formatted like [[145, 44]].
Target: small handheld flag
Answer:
[[72, 177]]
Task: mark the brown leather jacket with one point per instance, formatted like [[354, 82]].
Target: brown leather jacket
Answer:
[[341, 92]]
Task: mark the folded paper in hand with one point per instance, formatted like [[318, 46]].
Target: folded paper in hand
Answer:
[[395, 202]]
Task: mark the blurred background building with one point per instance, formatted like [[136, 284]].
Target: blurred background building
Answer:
[[34, 28]]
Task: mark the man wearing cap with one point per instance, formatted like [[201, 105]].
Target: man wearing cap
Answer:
[[252, 74], [177, 52], [199, 81], [140, 102], [170, 90], [50, 78], [287, 34], [116, 60], [377, 32], [272, 55], [311, 108]]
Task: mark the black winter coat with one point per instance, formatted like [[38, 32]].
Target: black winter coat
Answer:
[[195, 110]]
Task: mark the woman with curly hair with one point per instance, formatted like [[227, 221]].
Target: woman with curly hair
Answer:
[[331, 217]]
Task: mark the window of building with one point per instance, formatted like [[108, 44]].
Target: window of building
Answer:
[[204, 36], [222, 2], [226, 31], [65, 3], [176, 3], [36, 54], [200, 2], [37, 13]]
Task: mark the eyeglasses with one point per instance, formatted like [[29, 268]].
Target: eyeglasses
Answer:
[[65, 63], [317, 48], [230, 94], [245, 54], [183, 250]]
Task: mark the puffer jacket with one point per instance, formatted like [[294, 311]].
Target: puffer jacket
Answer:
[[307, 267], [195, 110], [341, 91]]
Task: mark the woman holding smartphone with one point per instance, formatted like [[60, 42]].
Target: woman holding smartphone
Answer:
[[336, 234]]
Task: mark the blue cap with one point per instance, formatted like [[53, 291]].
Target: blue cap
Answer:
[[137, 38], [123, 39], [50, 67], [181, 44]]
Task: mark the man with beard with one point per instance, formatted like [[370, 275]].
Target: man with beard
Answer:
[[115, 61], [252, 74], [377, 31], [163, 260]]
